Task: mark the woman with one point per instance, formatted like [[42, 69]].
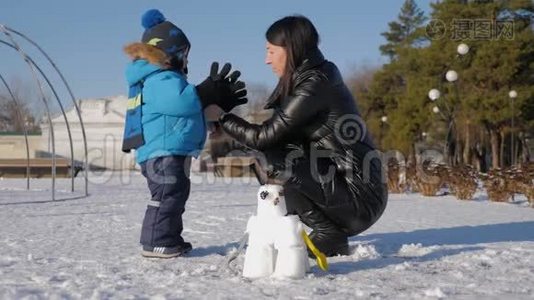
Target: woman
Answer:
[[333, 183]]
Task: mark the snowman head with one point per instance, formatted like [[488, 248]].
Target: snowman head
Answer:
[[271, 201]]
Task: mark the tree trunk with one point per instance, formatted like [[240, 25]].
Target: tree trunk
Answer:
[[525, 152], [459, 149], [412, 157], [501, 148], [467, 146], [451, 145], [495, 153], [480, 156], [483, 162]]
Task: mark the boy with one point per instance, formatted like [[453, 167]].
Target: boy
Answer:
[[166, 126]]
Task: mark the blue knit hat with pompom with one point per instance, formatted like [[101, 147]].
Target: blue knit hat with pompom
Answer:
[[163, 34]]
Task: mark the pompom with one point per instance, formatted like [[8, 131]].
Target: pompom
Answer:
[[152, 18]]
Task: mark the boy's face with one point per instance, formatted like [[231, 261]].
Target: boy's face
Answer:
[[185, 59]]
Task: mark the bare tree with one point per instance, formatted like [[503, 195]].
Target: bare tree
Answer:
[[15, 115], [257, 96]]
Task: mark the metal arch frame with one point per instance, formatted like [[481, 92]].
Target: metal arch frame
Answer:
[[19, 112], [33, 66], [30, 60], [43, 98], [73, 99]]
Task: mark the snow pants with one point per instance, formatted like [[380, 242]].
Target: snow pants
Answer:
[[169, 186]]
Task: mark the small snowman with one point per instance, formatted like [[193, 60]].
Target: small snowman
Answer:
[[276, 241]]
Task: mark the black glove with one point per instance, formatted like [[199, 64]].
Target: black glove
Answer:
[[209, 90], [222, 90], [233, 92]]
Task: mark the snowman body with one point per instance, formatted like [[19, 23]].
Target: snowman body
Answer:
[[275, 246]]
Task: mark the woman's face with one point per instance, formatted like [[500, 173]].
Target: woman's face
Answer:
[[276, 57]]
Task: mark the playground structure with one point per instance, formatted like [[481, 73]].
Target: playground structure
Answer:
[[66, 167]]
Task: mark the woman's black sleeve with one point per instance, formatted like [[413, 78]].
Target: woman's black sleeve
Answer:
[[304, 104]]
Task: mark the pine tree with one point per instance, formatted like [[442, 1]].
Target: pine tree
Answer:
[[480, 108], [401, 32]]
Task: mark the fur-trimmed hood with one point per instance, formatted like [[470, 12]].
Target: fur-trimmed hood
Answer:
[[146, 60], [149, 53]]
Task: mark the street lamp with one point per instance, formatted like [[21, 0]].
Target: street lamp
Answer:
[[512, 94], [448, 113], [451, 76], [383, 121], [434, 94], [462, 49]]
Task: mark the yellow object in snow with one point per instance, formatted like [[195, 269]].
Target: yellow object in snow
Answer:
[[320, 257]]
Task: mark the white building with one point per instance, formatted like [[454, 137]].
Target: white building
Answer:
[[103, 121]]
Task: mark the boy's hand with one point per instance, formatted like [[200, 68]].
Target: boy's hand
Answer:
[[209, 90], [222, 89], [216, 76]]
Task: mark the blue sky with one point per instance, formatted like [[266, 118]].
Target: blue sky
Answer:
[[86, 37]]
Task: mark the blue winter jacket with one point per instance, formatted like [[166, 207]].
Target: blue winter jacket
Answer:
[[172, 117]]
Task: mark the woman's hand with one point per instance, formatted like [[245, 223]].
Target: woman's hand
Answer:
[[214, 130], [212, 113]]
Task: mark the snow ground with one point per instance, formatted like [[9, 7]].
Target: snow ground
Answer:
[[87, 248]]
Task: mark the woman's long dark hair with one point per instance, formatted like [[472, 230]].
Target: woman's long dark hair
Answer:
[[299, 38]]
